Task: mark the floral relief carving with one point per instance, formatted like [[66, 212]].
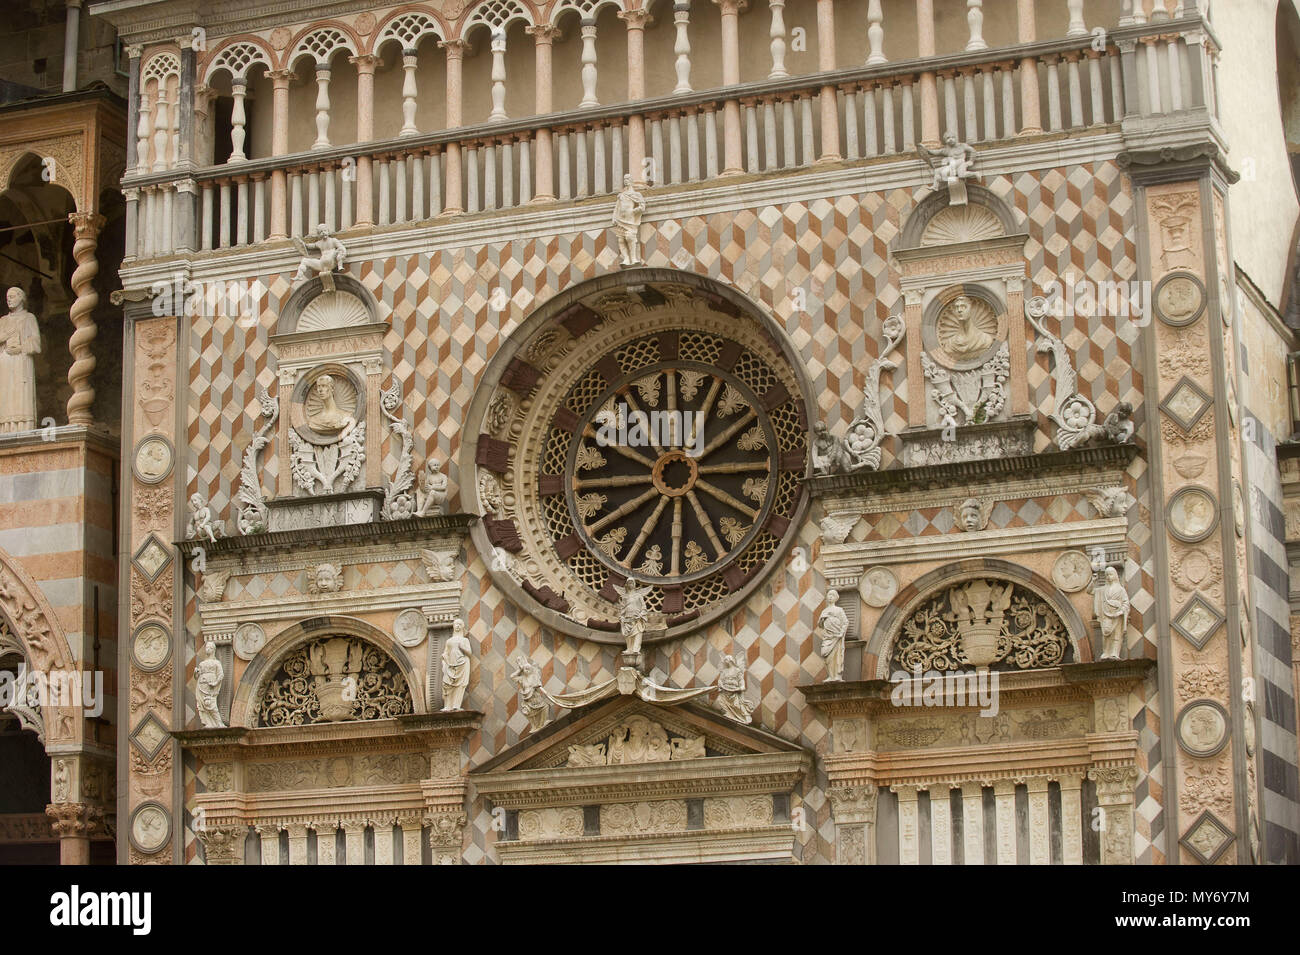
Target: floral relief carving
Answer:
[[150, 600], [333, 679], [625, 819], [982, 623], [152, 690]]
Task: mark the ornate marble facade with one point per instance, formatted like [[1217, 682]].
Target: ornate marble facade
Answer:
[[498, 521]]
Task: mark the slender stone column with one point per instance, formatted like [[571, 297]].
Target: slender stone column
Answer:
[[1027, 32], [940, 826], [412, 839], [270, 843], [972, 816], [636, 21], [1072, 818], [1115, 799], [854, 810], [732, 162], [365, 133], [86, 226], [544, 179], [410, 92], [1004, 806], [279, 146], [929, 85], [74, 823], [909, 816], [830, 118], [1040, 847], [297, 842], [453, 179], [776, 33]]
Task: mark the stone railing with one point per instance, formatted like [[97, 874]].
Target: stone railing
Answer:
[[1149, 71]]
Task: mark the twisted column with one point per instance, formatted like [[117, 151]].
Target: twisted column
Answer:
[[86, 226]]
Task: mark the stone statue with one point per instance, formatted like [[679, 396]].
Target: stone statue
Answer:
[[20, 339], [208, 677], [201, 525], [527, 678], [332, 255], [834, 623], [966, 332], [951, 166], [1118, 425], [628, 209], [732, 683], [632, 613], [455, 668], [1110, 601], [433, 496], [828, 454]]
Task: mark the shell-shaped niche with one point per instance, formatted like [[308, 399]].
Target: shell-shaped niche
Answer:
[[332, 310], [968, 223]]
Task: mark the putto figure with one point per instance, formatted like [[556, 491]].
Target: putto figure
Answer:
[[455, 668], [331, 258], [834, 624], [201, 525], [433, 496], [20, 339], [951, 164], [628, 209]]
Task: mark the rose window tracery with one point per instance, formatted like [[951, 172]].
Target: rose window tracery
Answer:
[[664, 442]]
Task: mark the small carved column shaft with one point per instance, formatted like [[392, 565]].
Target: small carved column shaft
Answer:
[[830, 117], [1040, 846], [279, 146], [929, 85], [1004, 815], [412, 839], [854, 811], [365, 133], [543, 44], [909, 815], [1072, 819], [636, 20], [86, 226], [972, 815], [731, 150], [1016, 338], [453, 179], [1026, 30]]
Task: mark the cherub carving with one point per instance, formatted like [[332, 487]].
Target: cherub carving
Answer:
[[331, 258]]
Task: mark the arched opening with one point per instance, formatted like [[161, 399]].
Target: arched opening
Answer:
[[25, 835]]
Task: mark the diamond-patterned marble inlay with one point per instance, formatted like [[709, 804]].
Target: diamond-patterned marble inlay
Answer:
[[1198, 621], [1186, 403]]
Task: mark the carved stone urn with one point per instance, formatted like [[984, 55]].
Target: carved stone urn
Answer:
[[980, 610], [335, 665]]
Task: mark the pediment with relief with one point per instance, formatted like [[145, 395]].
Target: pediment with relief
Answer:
[[603, 741]]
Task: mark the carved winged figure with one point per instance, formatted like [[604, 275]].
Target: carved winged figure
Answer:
[[952, 162]]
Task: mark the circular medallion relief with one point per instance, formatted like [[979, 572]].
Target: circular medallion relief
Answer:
[[1179, 298], [1202, 728], [964, 326], [1072, 571], [249, 638], [153, 459], [326, 404], [660, 435], [410, 628], [150, 827], [151, 647], [878, 586], [1192, 514]]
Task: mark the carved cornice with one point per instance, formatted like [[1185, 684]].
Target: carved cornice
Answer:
[[760, 844], [1071, 681], [687, 779], [937, 476], [404, 734], [351, 535]]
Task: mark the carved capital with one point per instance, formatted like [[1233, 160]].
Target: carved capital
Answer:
[[853, 804], [223, 845], [86, 225], [543, 34], [1114, 783], [638, 19], [75, 820], [447, 829]]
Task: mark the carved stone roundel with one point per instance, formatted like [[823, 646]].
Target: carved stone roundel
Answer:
[[964, 328], [325, 403], [659, 440]]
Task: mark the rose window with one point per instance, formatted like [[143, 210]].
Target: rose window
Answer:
[[657, 437]]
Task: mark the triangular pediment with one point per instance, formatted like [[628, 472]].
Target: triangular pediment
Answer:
[[632, 731]]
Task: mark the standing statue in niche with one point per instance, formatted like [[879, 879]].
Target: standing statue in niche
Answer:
[[332, 256], [834, 624], [455, 668], [1111, 603], [208, 677], [628, 209], [20, 339]]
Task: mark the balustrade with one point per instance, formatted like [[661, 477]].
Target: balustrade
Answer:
[[781, 123]]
